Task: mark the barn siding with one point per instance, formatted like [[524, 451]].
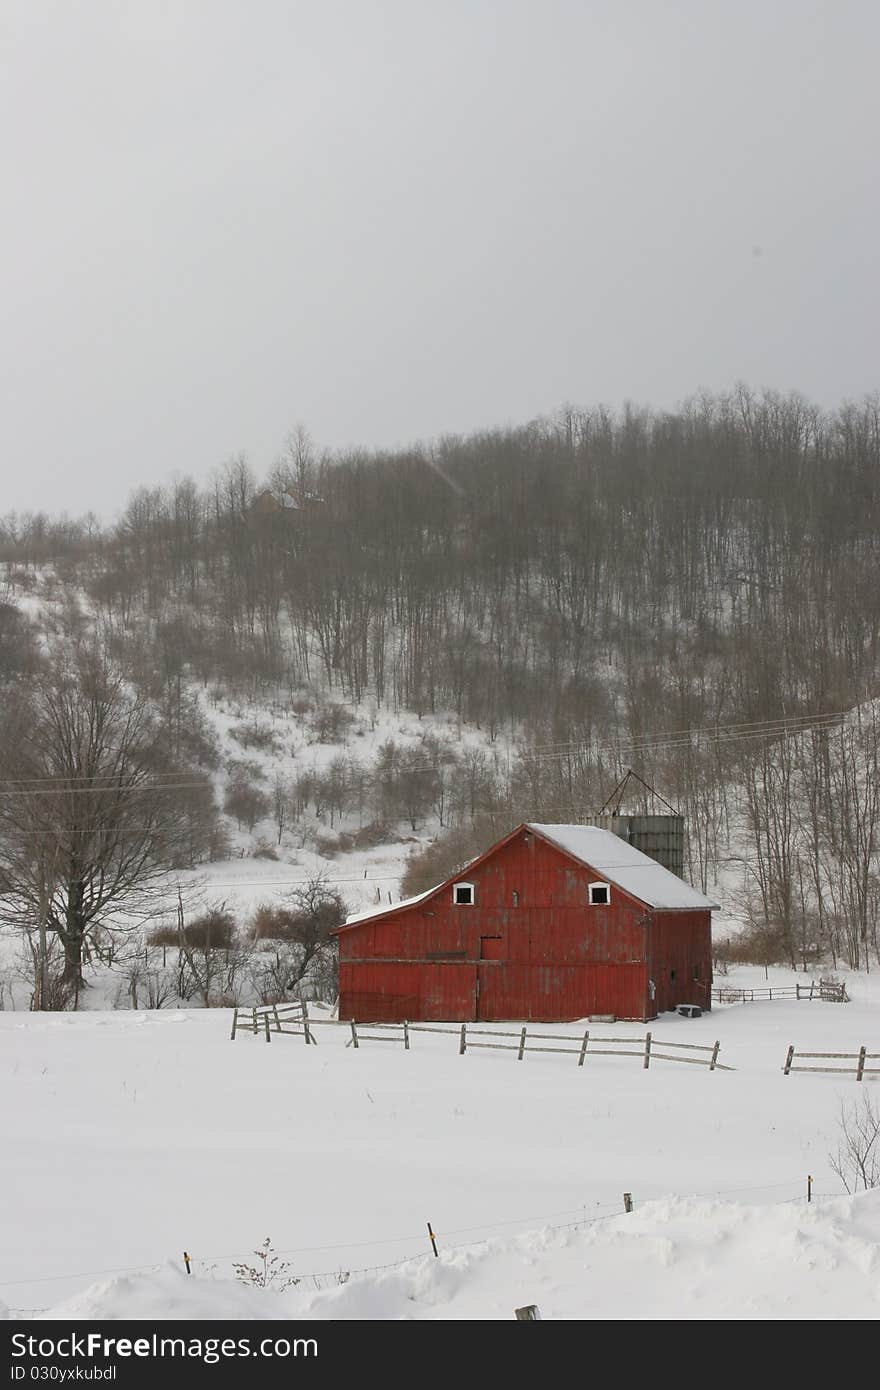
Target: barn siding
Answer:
[[550, 957], [681, 942]]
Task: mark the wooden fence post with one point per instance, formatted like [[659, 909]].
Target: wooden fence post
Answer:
[[354, 1033], [647, 1061], [584, 1048], [812, 987], [186, 1261], [234, 1023], [860, 1070], [254, 1021], [522, 1045], [715, 1050], [627, 1201], [266, 1021], [277, 1019], [405, 1036], [788, 1060], [809, 1188], [462, 1046], [433, 1241], [530, 1313], [797, 990], [306, 1029]]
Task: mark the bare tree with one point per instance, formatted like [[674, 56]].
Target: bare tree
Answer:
[[857, 1160], [87, 815], [305, 948]]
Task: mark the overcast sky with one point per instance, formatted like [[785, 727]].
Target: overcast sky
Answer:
[[393, 219]]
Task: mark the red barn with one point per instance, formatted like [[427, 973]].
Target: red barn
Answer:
[[554, 922]]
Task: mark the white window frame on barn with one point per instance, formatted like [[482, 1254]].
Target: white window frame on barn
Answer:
[[602, 902], [463, 902]]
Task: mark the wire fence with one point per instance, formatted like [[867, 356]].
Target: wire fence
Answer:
[[222, 1265], [830, 991]]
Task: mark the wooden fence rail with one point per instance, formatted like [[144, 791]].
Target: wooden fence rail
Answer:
[[294, 1019], [274, 1018], [525, 1041], [859, 1070]]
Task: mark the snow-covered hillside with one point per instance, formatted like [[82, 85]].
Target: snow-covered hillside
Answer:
[[179, 1139]]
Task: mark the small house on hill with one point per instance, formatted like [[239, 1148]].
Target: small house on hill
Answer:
[[554, 922], [288, 502]]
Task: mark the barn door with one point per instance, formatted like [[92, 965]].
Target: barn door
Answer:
[[486, 1003]]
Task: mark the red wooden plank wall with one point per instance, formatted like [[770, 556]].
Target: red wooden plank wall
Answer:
[[548, 953]]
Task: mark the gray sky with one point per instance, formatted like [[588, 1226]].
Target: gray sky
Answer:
[[393, 219]]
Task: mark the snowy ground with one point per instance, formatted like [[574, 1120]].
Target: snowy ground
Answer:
[[134, 1136]]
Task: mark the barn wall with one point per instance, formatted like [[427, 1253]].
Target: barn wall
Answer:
[[530, 947], [680, 958]]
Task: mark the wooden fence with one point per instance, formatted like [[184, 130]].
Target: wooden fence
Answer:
[[647, 1048], [274, 1018], [859, 1070], [816, 989]]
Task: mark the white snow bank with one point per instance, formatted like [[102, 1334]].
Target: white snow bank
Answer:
[[676, 1258], [169, 1293]]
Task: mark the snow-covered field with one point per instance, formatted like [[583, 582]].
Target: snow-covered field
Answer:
[[131, 1137]]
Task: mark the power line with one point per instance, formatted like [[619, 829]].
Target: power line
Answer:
[[107, 789], [786, 725]]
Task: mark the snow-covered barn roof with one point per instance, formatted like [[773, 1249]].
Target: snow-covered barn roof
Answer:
[[624, 865], [380, 911], [607, 854]]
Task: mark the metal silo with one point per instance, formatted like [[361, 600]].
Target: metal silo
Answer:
[[660, 837]]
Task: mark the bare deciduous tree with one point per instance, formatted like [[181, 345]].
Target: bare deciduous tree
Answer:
[[87, 815], [857, 1160]]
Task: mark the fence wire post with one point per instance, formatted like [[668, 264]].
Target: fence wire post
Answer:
[[522, 1045], [647, 1062], [433, 1241], [186, 1261], [530, 1313], [788, 1060], [809, 1188]]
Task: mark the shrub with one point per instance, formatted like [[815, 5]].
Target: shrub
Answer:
[[213, 930], [273, 923], [857, 1161], [330, 723], [219, 843], [258, 736], [245, 770], [246, 804], [265, 851], [328, 846]]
